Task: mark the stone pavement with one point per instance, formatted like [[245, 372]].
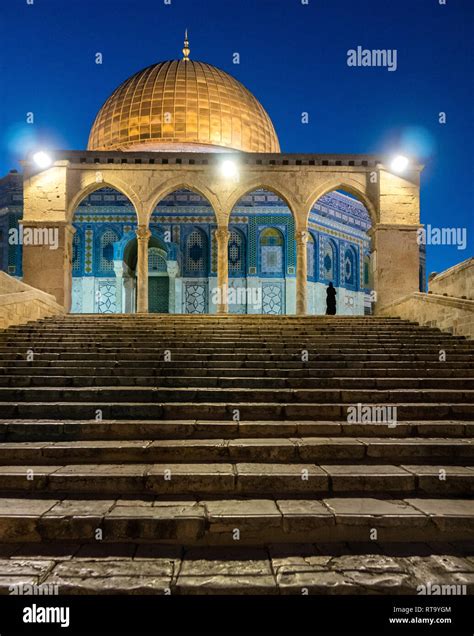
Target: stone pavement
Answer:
[[280, 569]]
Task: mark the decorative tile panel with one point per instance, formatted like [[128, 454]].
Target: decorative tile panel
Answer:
[[272, 298], [195, 298]]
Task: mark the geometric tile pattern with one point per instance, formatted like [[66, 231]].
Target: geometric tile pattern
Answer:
[[106, 297], [272, 298], [195, 298]]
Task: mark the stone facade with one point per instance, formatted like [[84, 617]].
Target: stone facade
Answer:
[[52, 196]]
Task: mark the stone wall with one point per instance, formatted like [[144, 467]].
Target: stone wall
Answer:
[[20, 303], [454, 315], [457, 281]]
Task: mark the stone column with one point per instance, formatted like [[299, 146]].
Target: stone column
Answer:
[[143, 236], [222, 237], [301, 237], [173, 271], [128, 288], [47, 258], [396, 262], [118, 269]]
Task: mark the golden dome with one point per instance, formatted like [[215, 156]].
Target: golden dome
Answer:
[[182, 105]]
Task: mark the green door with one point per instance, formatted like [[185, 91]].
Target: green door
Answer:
[[158, 294]]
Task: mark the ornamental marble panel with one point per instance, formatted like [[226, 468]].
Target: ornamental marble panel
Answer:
[[237, 291], [272, 298], [195, 297], [76, 294], [106, 299]]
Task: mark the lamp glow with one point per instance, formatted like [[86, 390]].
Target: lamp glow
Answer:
[[229, 169], [42, 159], [400, 163]]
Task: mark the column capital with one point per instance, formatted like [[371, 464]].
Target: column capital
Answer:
[[301, 236], [143, 233], [222, 234]]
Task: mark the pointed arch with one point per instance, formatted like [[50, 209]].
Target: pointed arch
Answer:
[[113, 184], [176, 184], [349, 185], [258, 184]]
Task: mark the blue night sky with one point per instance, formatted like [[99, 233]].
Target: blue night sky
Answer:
[[292, 57]]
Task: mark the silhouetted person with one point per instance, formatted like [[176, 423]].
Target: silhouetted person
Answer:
[[330, 300]]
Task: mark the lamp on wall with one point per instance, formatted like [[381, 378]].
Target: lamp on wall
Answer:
[[230, 170], [400, 163], [42, 159]]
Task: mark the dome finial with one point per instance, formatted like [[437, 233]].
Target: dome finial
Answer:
[[186, 50]]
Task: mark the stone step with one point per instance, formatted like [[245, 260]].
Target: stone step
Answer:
[[173, 323], [175, 371], [48, 430], [234, 350], [422, 368], [355, 336], [375, 336], [251, 340], [237, 479], [323, 569], [222, 410], [219, 323], [257, 522], [275, 450], [98, 411], [158, 394], [227, 381], [229, 356]]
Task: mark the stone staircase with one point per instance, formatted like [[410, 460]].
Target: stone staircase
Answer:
[[176, 436]]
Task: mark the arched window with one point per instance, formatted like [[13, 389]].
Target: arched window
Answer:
[[236, 253], [350, 273], [76, 252], [328, 263], [310, 251], [106, 263], [272, 252], [196, 254], [156, 261]]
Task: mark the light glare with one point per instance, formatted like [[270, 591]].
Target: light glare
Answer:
[[42, 159], [400, 163], [229, 169]]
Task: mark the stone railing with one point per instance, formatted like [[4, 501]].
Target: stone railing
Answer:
[[20, 303], [455, 315], [457, 281]]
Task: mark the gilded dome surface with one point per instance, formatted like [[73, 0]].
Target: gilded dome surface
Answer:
[[182, 105]]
